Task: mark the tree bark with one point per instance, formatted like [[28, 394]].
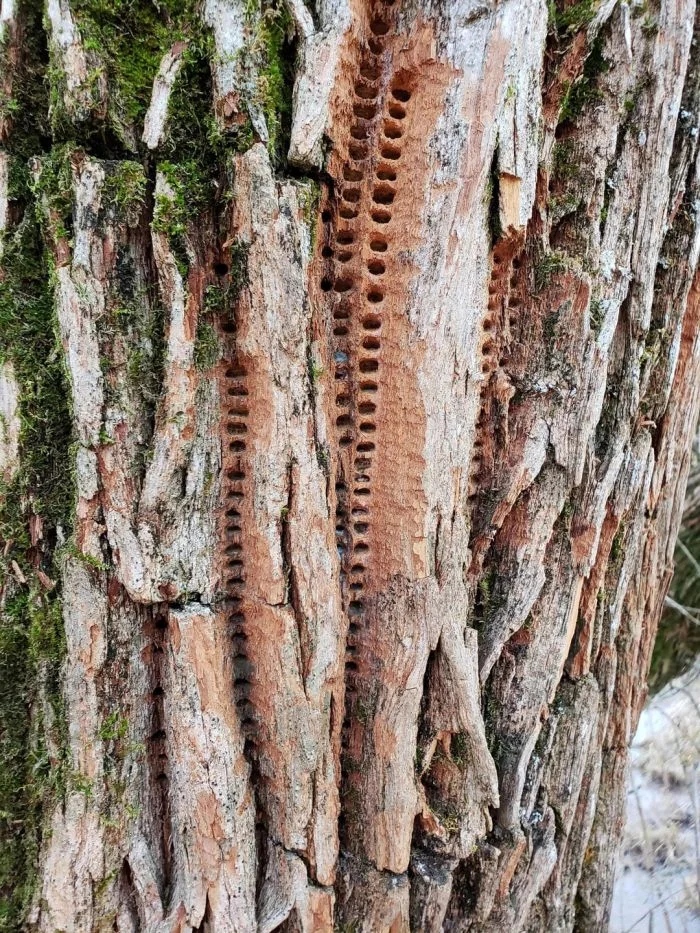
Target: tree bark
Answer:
[[350, 367]]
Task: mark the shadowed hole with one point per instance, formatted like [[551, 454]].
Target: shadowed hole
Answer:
[[381, 217], [228, 327], [343, 421], [345, 440], [397, 112], [391, 152], [386, 174], [342, 400], [326, 284], [352, 174], [342, 284], [376, 46], [341, 314], [362, 491], [383, 194], [235, 372], [375, 296], [326, 252], [367, 427], [370, 72], [376, 267], [344, 256], [371, 343], [379, 27], [340, 331], [367, 408], [345, 237], [236, 447], [347, 213], [365, 92], [368, 386], [392, 131], [357, 151], [378, 245], [357, 568], [401, 94], [366, 446], [236, 428], [361, 528], [371, 322], [237, 390], [369, 366], [326, 216], [358, 131]]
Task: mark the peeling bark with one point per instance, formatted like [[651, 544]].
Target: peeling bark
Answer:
[[380, 440]]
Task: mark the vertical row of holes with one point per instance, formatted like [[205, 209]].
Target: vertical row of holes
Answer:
[[236, 422], [503, 269], [366, 197]]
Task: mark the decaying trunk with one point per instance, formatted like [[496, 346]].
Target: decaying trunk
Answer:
[[349, 370]]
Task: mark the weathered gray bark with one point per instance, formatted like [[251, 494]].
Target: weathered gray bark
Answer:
[[380, 428]]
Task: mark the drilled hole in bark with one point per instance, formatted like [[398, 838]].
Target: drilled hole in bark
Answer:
[[371, 343], [237, 390], [378, 245], [344, 257], [401, 94], [352, 174], [384, 173], [369, 366], [236, 429], [326, 217], [397, 112], [342, 400], [359, 131], [357, 151], [343, 421], [363, 491], [341, 373], [376, 46], [347, 213], [392, 131], [228, 327], [488, 324], [383, 194], [346, 440], [368, 386], [326, 252], [391, 152], [235, 475], [375, 296], [235, 372], [370, 72], [237, 447], [342, 284], [367, 427], [362, 463], [341, 313], [371, 322], [381, 217], [340, 331], [379, 27], [361, 528], [326, 284], [367, 408], [366, 447], [220, 268], [345, 237], [352, 195]]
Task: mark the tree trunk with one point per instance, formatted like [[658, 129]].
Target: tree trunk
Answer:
[[350, 365]]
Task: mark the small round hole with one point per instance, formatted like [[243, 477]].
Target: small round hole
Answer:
[[377, 245], [401, 94], [376, 46], [367, 427], [344, 256], [326, 252], [370, 322], [340, 331], [369, 366], [386, 174], [326, 216], [371, 343], [345, 237], [358, 151], [368, 386], [367, 408], [375, 296], [347, 213], [391, 152], [370, 72], [376, 267], [381, 217], [220, 268], [383, 194], [326, 285], [357, 131], [392, 131], [343, 284], [397, 112], [351, 174], [365, 92], [351, 194], [379, 27]]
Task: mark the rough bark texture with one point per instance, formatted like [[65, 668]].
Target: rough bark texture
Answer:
[[349, 373]]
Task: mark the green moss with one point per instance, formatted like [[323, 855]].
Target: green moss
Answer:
[[584, 90], [206, 347], [550, 265], [568, 18], [31, 631], [124, 190], [276, 75]]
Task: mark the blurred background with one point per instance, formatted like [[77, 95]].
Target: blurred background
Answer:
[[658, 878]]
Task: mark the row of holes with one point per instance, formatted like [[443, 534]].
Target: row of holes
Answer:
[[489, 350], [236, 401], [357, 429]]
